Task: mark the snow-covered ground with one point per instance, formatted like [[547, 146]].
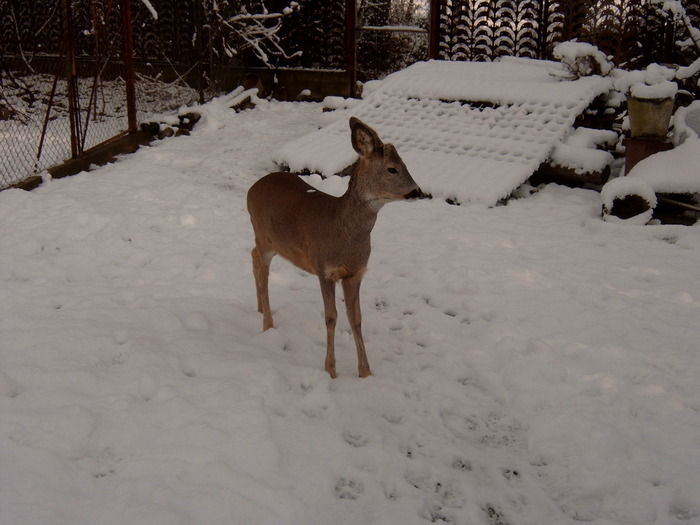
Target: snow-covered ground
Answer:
[[533, 364]]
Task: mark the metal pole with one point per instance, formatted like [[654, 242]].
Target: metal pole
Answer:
[[129, 74], [71, 76]]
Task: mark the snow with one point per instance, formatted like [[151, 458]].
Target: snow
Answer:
[[665, 89], [652, 75], [478, 151], [579, 151], [147, 4], [509, 81], [570, 52], [685, 72], [673, 171], [533, 364], [676, 170], [686, 122], [623, 187], [581, 160]]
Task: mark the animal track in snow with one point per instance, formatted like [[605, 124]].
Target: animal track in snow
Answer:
[[459, 425], [462, 464], [101, 463], [494, 516], [356, 439], [348, 488]]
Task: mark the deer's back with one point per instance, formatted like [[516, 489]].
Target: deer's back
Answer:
[[303, 225]]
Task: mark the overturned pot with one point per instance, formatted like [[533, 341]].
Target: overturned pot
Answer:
[[650, 109]]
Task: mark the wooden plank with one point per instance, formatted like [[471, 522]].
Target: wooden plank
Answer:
[[102, 154]]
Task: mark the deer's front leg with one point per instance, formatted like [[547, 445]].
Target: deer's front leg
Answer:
[[331, 315], [351, 290]]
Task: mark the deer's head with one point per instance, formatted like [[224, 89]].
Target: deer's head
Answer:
[[380, 172]]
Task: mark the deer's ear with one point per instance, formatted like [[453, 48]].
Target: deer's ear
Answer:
[[364, 139]]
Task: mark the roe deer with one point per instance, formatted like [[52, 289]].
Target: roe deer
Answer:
[[325, 235]]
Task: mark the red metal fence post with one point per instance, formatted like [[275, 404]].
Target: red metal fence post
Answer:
[[71, 82], [129, 75]]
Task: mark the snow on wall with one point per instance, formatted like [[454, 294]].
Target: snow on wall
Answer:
[[478, 152]]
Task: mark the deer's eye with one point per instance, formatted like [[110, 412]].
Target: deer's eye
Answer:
[[393, 171]]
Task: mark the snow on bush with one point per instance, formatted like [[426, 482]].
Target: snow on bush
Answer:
[[582, 59]]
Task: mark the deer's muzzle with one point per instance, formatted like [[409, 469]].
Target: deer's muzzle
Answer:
[[415, 194]]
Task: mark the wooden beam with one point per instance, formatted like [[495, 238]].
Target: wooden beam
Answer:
[[102, 154]]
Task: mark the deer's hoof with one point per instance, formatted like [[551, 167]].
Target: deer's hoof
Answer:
[[365, 373]]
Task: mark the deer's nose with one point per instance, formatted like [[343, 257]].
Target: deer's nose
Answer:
[[415, 194]]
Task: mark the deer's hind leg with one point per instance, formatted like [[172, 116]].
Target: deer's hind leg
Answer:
[[261, 272]]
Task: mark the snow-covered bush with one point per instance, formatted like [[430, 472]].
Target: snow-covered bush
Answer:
[[582, 59]]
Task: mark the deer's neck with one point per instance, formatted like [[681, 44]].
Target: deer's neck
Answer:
[[358, 207]]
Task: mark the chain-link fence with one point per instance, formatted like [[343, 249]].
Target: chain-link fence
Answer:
[[57, 105]]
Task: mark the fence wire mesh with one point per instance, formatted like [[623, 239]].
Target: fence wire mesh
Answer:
[[63, 84], [31, 137], [61, 95]]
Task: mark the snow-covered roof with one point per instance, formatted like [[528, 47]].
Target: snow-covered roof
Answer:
[[470, 131]]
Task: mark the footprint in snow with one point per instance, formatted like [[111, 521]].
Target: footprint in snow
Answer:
[[355, 439], [100, 463], [347, 488], [494, 516], [460, 426]]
